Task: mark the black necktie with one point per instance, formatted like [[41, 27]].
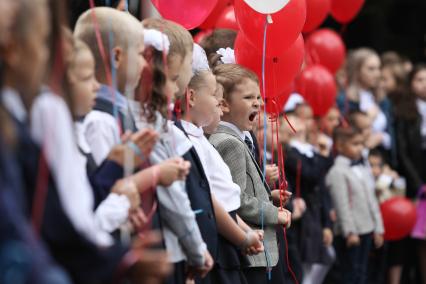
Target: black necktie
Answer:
[[249, 145], [359, 162]]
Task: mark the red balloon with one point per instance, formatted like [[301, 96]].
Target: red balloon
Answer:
[[316, 12], [275, 105], [279, 71], [399, 217], [227, 19], [188, 13], [281, 34], [211, 20], [201, 35], [344, 11], [325, 47], [317, 86]]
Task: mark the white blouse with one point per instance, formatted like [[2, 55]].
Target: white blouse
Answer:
[[217, 171], [52, 128], [380, 123]]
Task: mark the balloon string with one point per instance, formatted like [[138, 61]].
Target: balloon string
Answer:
[[289, 124], [108, 72], [265, 128], [293, 275]]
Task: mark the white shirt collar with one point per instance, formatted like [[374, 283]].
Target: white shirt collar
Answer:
[[192, 129], [235, 128], [303, 148], [13, 103]]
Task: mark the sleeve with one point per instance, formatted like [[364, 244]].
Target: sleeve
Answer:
[[338, 186], [409, 169], [177, 213], [53, 129], [112, 212], [326, 207], [252, 208], [377, 216], [102, 133], [103, 179]]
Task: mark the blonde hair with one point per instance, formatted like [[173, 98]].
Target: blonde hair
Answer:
[[230, 75], [180, 39], [114, 25], [356, 59]]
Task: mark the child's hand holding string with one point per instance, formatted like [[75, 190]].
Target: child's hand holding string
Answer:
[[272, 174], [253, 242], [128, 188], [172, 170], [278, 195]]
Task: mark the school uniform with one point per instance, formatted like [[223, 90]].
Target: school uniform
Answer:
[[307, 168], [181, 234], [256, 208], [228, 261], [22, 255], [108, 120], [357, 213], [70, 233]]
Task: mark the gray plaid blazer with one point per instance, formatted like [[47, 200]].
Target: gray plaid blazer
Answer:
[[256, 205]]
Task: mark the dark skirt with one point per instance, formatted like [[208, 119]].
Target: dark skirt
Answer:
[[229, 261]]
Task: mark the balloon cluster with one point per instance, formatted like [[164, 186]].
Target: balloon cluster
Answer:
[[285, 51]]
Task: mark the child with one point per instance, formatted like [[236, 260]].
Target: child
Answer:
[[388, 182], [358, 214], [240, 107], [111, 117], [190, 239], [202, 96]]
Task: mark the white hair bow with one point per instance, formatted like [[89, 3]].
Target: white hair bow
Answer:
[[199, 59], [228, 56], [157, 39]]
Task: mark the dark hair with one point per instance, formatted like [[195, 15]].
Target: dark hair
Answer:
[[219, 38], [376, 153], [353, 115], [344, 134], [406, 107]]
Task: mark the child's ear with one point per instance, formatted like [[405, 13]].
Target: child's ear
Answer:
[[117, 55], [225, 107], [190, 96]]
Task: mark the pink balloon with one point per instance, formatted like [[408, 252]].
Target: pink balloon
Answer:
[[227, 19], [188, 13], [325, 47], [281, 34], [344, 11], [279, 71], [316, 12], [317, 86]]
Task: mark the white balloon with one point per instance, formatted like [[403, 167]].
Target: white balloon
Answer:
[[267, 6]]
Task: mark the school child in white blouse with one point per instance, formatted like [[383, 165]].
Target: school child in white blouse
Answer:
[[204, 96]]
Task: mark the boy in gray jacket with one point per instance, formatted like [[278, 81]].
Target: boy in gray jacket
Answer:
[[358, 216]]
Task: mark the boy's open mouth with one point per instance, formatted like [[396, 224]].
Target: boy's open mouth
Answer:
[[252, 116]]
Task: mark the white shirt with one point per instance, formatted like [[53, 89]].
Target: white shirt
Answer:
[[52, 128], [102, 133], [114, 210], [217, 171], [305, 149], [421, 107], [379, 124]]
